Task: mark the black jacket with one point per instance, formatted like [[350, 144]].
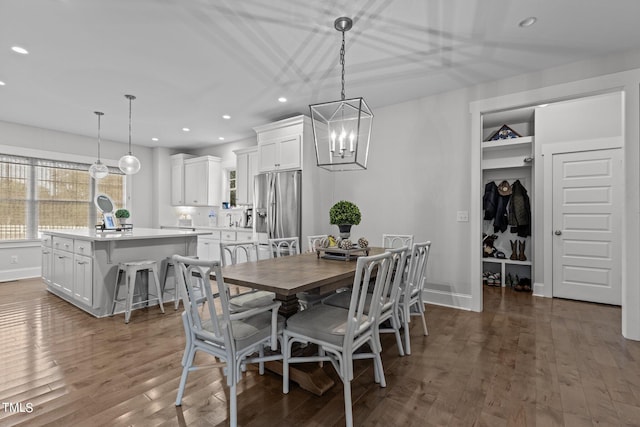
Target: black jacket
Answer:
[[519, 210], [490, 200]]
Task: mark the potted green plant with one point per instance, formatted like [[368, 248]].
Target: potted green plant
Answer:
[[122, 215], [344, 214]]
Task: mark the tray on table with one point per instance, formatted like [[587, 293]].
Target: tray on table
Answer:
[[334, 252]]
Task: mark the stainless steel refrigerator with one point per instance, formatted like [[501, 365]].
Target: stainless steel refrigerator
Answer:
[[276, 204]]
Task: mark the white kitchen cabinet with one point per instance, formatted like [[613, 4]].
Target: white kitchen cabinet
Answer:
[[203, 181], [280, 145], [209, 246], [83, 279], [62, 271], [47, 259], [246, 170], [177, 178]]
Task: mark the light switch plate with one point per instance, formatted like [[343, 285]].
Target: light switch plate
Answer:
[[463, 216]]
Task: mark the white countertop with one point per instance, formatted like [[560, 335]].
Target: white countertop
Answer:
[[135, 234], [208, 228]]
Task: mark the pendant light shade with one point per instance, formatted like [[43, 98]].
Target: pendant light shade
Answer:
[[98, 170], [342, 129], [129, 164]]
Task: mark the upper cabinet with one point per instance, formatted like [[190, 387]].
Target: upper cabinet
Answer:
[[515, 148], [280, 144], [177, 178], [246, 170], [202, 181]]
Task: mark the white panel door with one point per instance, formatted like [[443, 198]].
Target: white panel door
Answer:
[[587, 191]]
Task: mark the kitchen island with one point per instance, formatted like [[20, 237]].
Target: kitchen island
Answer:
[[80, 266]]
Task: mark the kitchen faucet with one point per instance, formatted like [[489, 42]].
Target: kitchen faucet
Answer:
[[230, 223]]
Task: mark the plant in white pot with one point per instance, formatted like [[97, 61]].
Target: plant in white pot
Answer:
[[123, 216], [344, 214]]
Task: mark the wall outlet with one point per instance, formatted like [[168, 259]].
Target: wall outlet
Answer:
[[463, 216], [14, 259]]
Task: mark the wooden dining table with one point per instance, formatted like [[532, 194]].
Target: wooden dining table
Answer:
[[286, 276]]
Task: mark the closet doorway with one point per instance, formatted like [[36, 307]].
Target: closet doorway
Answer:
[[587, 206]]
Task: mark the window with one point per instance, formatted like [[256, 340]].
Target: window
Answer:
[[39, 194], [232, 188]]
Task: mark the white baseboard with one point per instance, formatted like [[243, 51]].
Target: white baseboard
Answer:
[[447, 299], [20, 273], [538, 290]]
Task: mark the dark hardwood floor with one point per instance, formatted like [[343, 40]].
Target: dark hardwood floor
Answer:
[[524, 361]]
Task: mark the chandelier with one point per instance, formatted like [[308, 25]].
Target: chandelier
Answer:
[[341, 129], [129, 164], [98, 170]]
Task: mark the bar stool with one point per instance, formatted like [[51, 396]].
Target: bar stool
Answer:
[[131, 270], [174, 290]]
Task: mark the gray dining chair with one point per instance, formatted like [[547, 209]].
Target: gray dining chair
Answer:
[[232, 253], [233, 338], [343, 335], [397, 240], [389, 299], [411, 290]]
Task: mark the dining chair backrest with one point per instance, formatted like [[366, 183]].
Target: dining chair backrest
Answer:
[[191, 273], [397, 240], [391, 292], [284, 246], [314, 242], [417, 268], [362, 317], [232, 253]]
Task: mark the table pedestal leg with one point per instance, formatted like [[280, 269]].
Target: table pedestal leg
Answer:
[[309, 376]]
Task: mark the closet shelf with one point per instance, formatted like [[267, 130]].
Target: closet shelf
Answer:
[[507, 143], [505, 261]]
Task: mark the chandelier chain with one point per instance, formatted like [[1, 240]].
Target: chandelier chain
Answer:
[[342, 64], [99, 116], [130, 98]]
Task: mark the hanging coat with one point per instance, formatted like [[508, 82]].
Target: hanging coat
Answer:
[[490, 200], [520, 210], [501, 222]]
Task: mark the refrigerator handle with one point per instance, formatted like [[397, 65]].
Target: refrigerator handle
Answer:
[[270, 207]]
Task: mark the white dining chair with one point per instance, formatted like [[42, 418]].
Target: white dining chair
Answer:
[[232, 253], [230, 337], [284, 246], [411, 290], [397, 240], [389, 299], [289, 246], [315, 242], [342, 335]]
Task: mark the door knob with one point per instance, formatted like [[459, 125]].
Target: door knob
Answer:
[[557, 232]]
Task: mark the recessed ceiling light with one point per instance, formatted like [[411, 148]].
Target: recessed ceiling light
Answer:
[[226, 117], [19, 49], [528, 22], [155, 139], [282, 99], [186, 129], [221, 138], [2, 83]]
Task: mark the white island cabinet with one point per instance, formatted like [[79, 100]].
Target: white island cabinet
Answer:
[[80, 266]]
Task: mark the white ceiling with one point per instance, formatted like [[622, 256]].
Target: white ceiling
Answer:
[[191, 61]]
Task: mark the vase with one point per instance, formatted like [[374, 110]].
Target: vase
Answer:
[[345, 230], [124, 221]]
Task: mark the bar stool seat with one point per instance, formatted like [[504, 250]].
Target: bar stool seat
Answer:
[[174, 291], [130, 270]]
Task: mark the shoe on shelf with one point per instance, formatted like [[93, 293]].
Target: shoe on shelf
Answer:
[[517, 285], [509, 280], [525, 282]]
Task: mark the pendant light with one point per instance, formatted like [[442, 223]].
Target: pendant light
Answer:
[[98, 170], [129, 164], [342, 129]]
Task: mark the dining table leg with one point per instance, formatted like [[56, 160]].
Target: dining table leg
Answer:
[[289, 305]]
